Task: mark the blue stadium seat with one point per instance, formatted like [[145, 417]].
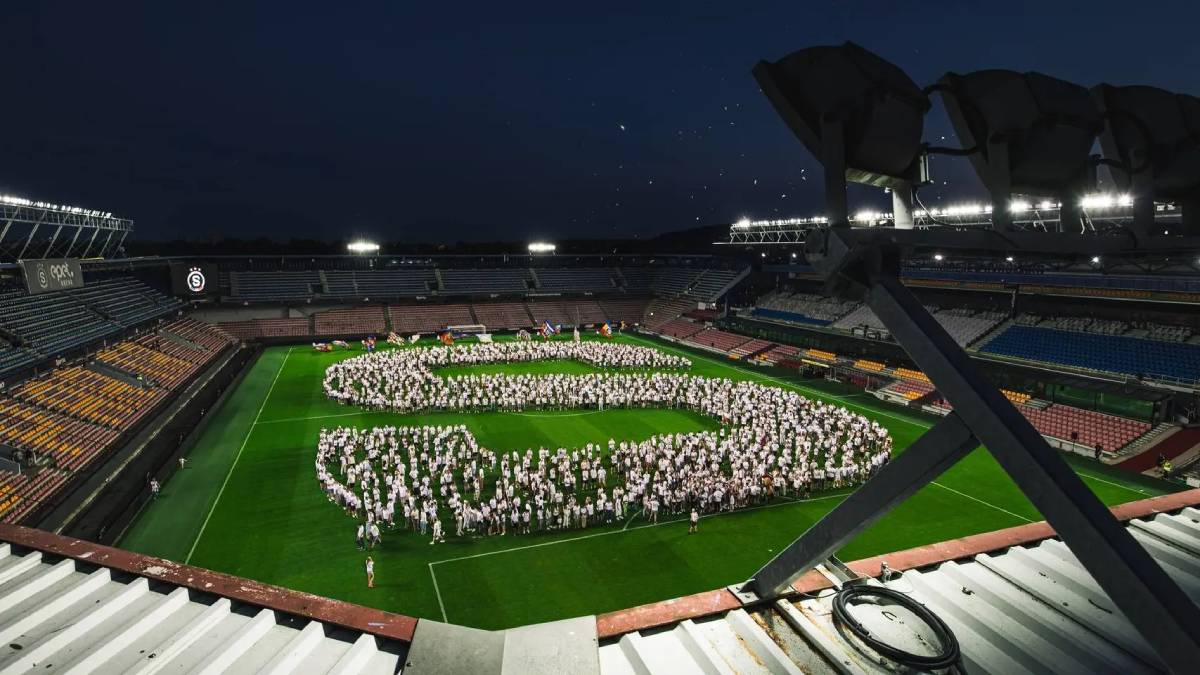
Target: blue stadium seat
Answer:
[[1109, 353]]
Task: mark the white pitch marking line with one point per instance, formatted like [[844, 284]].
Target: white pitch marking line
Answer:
[[1109, 482], [237, 457], [438, 591], [631, 518], [985, 503], [578, 414], [789, 502], [321, 417]]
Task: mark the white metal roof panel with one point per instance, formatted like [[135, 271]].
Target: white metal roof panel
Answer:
[[1022, 609], [67, 615]]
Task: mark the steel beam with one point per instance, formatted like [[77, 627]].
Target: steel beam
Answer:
[[1151, 600], [32, 231], [90, 242], [927, 458], [53, 239], [71, 246]]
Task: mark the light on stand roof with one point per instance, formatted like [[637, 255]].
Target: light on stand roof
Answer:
[[362, 247]]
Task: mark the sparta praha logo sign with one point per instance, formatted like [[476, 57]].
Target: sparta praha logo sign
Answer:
[[195, 280]]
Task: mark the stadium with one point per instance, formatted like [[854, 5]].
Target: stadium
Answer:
[[960, 438]]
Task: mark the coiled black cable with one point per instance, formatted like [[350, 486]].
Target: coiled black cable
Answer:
[[950, 656]]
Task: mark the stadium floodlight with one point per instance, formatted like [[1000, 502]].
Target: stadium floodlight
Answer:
[[1027, 134], [542, 247], [362, 247], [1151, 144], [861, 116]]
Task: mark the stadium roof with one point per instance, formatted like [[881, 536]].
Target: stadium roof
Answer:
[[1017, 600]]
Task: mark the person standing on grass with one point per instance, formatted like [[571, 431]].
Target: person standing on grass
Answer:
[[370, 565], [373, 532], [694, 522], [182, 462], [361, 537], [154, 487]]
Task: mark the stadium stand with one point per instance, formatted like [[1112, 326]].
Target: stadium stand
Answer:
[[51, 323], [554, 311], [125, 300], [578, 280], [803, 308], [1170, 447], [147, 362], [909, 389], [629, 310], [428, 318], [964, 325], [72, 414], [503, 315], [13, 358], [636, 279], [353, 321], [1097, 352], [89, 396], [380, 283], [778, 354], [751, 347], [662, 310], [709, 284], [268, 286], [485, 281], [208, 336], [266, 328], [1109, 431], [589, 311], [69, 442], [718, 340], [674, 280], [680, 328]]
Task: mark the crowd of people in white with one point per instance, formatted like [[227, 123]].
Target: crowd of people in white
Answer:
[[772, 442]]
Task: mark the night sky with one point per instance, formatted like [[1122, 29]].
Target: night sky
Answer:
[[411, 121]]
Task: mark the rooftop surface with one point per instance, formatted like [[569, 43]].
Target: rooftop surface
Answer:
[[1016, 599]]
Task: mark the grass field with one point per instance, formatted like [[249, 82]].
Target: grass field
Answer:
[[249, 504]]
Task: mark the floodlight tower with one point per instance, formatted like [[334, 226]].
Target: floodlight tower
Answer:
[[862, 118], [1028, 134], [1151, 144]]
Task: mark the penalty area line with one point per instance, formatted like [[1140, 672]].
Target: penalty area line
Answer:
[[237, 457], [985, 503], [437, 591]]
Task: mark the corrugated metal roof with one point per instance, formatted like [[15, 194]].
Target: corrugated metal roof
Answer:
[[67, 615], [1017, 600], [1022, 609]]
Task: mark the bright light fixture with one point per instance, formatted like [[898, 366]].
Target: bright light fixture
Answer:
[[541, 247], [939, 257], [362, 247]]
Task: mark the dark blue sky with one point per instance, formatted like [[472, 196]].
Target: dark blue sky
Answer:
[[447, 121]]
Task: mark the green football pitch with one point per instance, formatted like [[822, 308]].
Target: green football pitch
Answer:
[[249, 504]]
